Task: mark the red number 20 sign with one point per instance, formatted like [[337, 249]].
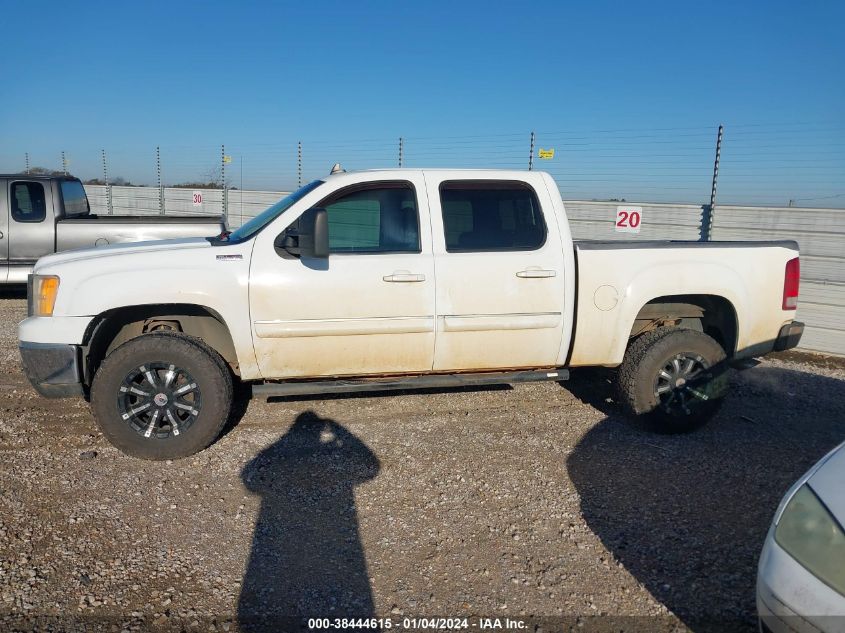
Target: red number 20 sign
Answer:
[[628, 219]]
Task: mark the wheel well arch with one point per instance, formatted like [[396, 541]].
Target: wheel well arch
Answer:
[[714, 315], [114, 327]]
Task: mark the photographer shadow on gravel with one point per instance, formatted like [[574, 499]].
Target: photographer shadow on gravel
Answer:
[[686, 515], [307, 559]]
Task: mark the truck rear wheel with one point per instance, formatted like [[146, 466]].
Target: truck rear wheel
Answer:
[[162, 396], [675, 377]]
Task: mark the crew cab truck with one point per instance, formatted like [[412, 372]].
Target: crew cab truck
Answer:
[[46, 214], [390, 279]]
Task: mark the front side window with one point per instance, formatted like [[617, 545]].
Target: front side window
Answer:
[[74, 198], [378, 218], [28, 202], [491, 216]]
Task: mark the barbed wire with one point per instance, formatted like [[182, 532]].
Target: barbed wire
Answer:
[[765, 162]]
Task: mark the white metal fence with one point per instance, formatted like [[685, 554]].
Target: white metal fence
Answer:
[[820, 234]]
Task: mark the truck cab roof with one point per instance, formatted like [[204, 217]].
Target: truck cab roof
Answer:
[[38, 176], [440, 170]]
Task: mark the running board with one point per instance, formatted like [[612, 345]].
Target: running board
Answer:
[[745, 363], [424, 381]]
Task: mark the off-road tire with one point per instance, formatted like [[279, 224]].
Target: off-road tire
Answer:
[[644, 359], [208, 370]]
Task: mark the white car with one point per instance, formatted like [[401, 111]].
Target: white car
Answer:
[[801, 578]]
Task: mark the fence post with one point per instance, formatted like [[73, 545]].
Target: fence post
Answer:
[[401, 150], [708, 228], [26, 161], [109, 208], [223, 178], [531, 153], [158, 181], [64, 163], [299, 163]]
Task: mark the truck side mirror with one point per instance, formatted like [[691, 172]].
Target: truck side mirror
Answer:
[[307, 237], [319, 232]]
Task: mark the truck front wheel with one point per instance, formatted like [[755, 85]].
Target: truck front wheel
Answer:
[[676, 377], [162, 396]]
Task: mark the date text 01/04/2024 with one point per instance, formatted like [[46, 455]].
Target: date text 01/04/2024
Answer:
[[417, 624]]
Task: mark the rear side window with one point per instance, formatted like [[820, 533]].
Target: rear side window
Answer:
[[28, 202], [491, 216], [379, 218], [75, 200]]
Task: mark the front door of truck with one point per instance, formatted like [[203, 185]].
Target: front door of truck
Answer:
[[31, 225], [368, 308], [500, 274]]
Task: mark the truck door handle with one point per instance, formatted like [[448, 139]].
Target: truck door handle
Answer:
[[403, 276], [1, 235], [536, 273]]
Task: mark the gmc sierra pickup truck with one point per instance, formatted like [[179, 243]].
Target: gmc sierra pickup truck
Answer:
[[397, 279], [46, 214]]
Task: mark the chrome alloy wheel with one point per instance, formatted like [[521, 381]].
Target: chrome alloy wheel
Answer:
[[680, 385], [159, 400]]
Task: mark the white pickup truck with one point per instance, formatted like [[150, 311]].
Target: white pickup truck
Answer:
[[396, 279]]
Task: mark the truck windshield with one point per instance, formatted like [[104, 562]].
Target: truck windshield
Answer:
[[248, 229]]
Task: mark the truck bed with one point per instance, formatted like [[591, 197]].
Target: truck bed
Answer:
[[93, 230], [615, 283], [593, 245]]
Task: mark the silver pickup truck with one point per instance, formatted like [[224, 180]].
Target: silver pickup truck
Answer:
[[40, 215]]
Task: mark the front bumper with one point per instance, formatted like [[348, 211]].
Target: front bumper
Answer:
[[52, 368], [789, 336]]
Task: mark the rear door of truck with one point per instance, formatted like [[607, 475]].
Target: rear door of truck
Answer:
[[500, 272]]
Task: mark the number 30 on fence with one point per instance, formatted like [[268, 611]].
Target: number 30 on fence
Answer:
[[628, 219]]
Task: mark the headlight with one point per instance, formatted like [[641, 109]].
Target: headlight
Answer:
[[43, 294], [813, 537]]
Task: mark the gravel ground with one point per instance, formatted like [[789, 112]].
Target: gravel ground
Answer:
[[534, 501]]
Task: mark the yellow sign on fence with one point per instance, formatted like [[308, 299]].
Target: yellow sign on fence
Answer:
[[546, 153]]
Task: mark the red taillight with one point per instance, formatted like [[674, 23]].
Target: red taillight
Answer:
[[790, 284]]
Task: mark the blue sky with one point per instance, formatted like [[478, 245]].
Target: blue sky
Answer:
[[635, 89]]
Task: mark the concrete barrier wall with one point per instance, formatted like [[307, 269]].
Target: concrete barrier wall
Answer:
[[597, 221], [820, 234]]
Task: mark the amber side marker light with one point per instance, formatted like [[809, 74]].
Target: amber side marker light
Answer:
[[44, 293]]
